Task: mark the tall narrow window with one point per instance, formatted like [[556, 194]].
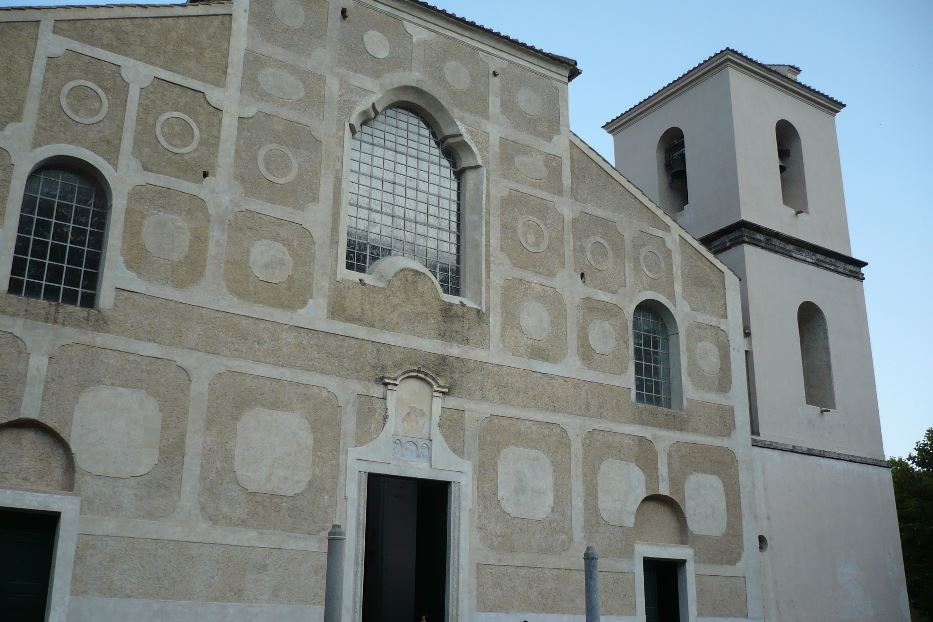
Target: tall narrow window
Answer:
[[652, 357], [672, 171], [60, 241], [815, 356], [404, 198], [790, 167]]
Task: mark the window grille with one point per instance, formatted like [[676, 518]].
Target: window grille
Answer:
[[652, 358], [404, 198], [60, 240]]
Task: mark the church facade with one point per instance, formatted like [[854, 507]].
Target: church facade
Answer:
[[268, 267]]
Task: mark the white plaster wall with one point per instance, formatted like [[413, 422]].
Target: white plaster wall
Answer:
[[853, 427], [834, 551], [756, 108], [704, 113]]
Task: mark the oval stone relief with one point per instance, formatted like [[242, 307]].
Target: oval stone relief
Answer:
[[529, 102], [708, 357], [166, 236], [277, 163], [457, 75], [177, 132], [376, 44], [281, 84], [651, 263], [601, 336], [290, 13], [598, 254], [532, 235], [84, 102], [531, 166], [534, 320], [270, 261]]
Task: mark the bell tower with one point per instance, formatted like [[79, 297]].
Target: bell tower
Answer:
[[746, 159]]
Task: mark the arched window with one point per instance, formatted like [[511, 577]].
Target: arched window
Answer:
[[672, 171], [656, 371], [60, 241], [404, 198], [790, 167], [815, 356]]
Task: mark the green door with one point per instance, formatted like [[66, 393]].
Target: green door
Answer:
[[27, 542]]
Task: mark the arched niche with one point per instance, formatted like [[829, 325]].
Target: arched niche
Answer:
[[672, 171], [815, 356], [791, 167], [35, 457], [660, 520]]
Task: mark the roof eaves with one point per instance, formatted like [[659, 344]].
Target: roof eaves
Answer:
[[120, 5], [724, 54]]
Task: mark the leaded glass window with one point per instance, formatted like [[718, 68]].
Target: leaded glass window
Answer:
[[404, 198], [60, 240], [652, 358]]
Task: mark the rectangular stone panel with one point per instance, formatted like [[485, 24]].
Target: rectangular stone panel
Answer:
[[521, 589]]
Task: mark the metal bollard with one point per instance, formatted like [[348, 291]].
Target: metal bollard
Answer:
[[591, 583], [333, 587]]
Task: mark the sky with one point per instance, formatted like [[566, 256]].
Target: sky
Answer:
[[877, 57]]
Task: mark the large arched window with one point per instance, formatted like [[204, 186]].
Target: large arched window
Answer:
[[656, 369], [672, 171], [815, 356], [60, 241], [790, 167], [404, 198]]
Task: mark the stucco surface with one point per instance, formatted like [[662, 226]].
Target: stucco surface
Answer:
[[721, 597], [458, 72], [614, 539], [709, 365], [54, 126], [602, 336], [283, 278], [142, 568], [497, 529], [165, 236], [298, 26], [452, 424], [19, 40], [278, 161], [170, 144], [702, 282], [593, 185], [225, 500], [653, 269], [686, 458], [13, 366], [410, 304], [172, 43], [550, 590], [373, 44], [599, 252], [73, 370], [660, 520], [6, 173], [530, 103], [530, 167], [283, 86], [370, 418], [34, 457], [532, 233], [534, 321]]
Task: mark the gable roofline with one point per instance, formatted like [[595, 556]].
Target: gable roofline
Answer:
[[649, 204], [724, 58]]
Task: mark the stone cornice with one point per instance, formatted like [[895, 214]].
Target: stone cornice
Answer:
[[744, 232], [818, 453]]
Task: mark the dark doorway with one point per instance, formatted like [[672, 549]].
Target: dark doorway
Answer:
[[405, 559], [662, 590], [27, 543]]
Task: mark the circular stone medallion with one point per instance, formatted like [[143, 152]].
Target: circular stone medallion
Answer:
[[281, 84], [534, 320], [270, 261], [173, 128], [598, 254], [532, 235], [166, 236], [277, 163], [457, 75], [290, 13], [376, 44], [601, 336], [529, 102], [651, 263], [708, 357], [79, 94]]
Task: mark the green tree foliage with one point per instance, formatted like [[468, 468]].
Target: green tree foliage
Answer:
[[913, 492]]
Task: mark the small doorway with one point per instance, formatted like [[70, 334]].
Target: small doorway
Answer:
[[405, 557], [27, 546], [663, 590]]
